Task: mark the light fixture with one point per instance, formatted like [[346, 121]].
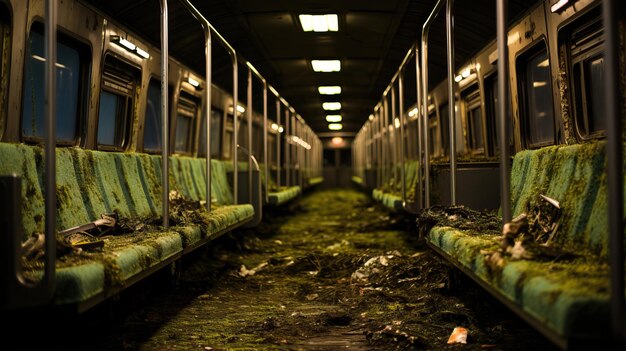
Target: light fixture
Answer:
[[193, 82], [335, 126], [330, 90], [466, 72], [130, 46], [458, 78], [371, 117], [319, 23], [337, 141], [240, 109], [333, 118], [326, 65], [281, 129], [331, 106], [142, 53], [274, 126], [559, 5], [123, 42], [539, 84], [413, 112], [396, 123]]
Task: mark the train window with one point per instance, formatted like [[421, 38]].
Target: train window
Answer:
[[70, 73], [493, 117], [536, 94], [474, 120], [5, 43], [271, 149], [228, 141], [154, 120], [216, 124], [444, 130], [432, 133], [116, 103], [185, 116], [588, 76]]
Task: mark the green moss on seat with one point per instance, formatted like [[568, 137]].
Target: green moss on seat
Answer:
[[316, 180], [284, 195], [390, 194], [569, 297], [90, 183], [357, 180]]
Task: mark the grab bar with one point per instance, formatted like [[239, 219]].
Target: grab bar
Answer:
[[451, 97], [615, 159], [425, 30]]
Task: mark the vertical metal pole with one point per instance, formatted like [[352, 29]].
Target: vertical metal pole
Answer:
[[50, 148], [207, 34], [611, 13], [503, 95], [235, 129], [206, 26], [287, 147], [420, 116], [451, 97], [265, 153], [278, 141], [401, 110], [425, 30], [395, 134], [164, 113], [250, 146]]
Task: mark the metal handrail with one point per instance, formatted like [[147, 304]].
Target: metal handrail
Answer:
[[206, 26], [615, 162], [420, 113], [425, 31], [165, 189], [503, 94], [48, 280], [401, 110], [249, 110], [278, 141], [451, 97]]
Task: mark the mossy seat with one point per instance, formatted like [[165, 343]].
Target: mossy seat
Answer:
[[90, 183], [570, 298], [284, 195], [391, 195], [316, 180], [357, 180]]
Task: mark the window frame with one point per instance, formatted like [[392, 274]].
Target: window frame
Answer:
[[6, 25], [523, 96], [214, 132], [130, 101], [471, 101], [85, 61], [591, 29], [187, 98]]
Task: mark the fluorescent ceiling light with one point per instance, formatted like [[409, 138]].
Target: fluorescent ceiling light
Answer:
[[458, 78], [331, 106], [123, 42], [413, 112], [193, 82], [396, 123], [337, 141], [326, 65], [319, 23], [274, 126], [539, 84], [466, 72], [559, 5], [333, 118], [371, 117], [142, 53], [335, 126], [241, 109], [330, 90], [281, 129]]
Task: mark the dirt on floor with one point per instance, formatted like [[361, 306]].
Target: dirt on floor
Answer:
[[334, 271]]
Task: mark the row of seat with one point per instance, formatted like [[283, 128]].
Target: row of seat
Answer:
[[91, 183], [567, 299]]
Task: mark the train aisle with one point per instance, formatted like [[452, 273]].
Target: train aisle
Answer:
[[334, 272]]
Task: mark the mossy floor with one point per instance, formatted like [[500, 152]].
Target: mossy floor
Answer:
[[336, 272]]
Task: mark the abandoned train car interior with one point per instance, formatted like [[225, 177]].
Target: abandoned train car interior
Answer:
[[312, 175]]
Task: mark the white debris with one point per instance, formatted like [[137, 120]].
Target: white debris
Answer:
[[244, 272]]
